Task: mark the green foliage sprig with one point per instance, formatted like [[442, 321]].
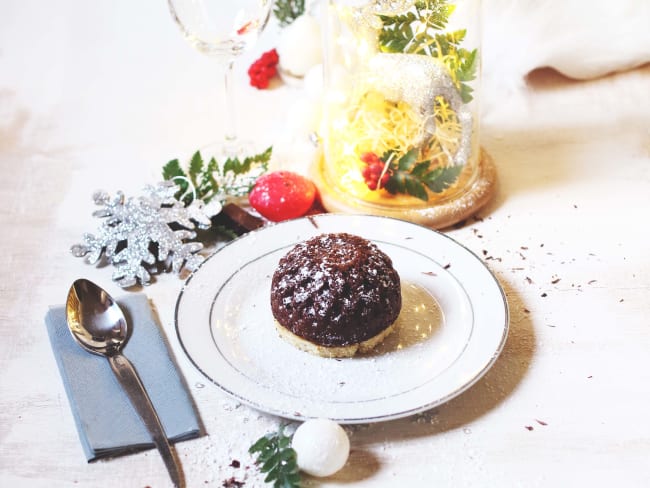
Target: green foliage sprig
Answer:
[[413, 177], [286, 11], [418, 32], [276, 457], [232, 178]]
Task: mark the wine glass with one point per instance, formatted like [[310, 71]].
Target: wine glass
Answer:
[[223, 29]]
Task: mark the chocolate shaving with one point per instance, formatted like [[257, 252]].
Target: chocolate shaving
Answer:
[[239, 220], [540, 422], [429, 273], [235, 463], [555, 281], [544, 295], [447, 266], [528, 427], [232, 483]]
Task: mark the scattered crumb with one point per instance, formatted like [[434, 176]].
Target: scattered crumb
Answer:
[[235, 463], [232, 483], [447, 266], [544, 295], [528, 427], [528, 280]]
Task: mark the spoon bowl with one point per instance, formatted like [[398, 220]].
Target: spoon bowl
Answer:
[[96, 321]]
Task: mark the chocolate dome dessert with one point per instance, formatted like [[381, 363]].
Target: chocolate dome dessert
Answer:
[[335, 295]]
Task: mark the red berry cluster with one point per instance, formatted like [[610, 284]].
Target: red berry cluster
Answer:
[[262, 70], [372, 172]]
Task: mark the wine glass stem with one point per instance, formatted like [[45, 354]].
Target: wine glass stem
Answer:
[[229, 104]]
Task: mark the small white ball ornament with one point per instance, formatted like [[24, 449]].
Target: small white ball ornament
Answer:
[[322, 447], [299, 46]]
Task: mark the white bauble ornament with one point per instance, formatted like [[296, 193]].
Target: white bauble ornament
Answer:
[[299, 46], [322, 447]]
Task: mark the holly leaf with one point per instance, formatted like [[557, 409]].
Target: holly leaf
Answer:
[[407, 161], [441, 178], [412, 177], [402, 181]]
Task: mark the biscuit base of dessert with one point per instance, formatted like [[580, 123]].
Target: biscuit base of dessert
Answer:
[[333, 351]]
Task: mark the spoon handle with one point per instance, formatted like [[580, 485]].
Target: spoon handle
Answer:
[[128, 378]]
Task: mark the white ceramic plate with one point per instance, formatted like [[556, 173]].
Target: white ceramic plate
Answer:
[[453, 325]]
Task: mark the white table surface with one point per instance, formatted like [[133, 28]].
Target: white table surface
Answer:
[[99, 95]]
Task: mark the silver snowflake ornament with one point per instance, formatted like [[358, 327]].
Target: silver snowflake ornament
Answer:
[[139, 233]]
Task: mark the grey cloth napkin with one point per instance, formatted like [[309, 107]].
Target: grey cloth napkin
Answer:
[[107, 423]]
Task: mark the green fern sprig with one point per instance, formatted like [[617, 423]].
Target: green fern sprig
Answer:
[[418, 32], [234, 178], [277, 458], [286, 11]]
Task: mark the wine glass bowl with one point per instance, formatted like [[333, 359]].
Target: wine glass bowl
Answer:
[[223, 29]]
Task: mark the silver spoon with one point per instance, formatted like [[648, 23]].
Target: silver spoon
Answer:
[[98, 325]]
